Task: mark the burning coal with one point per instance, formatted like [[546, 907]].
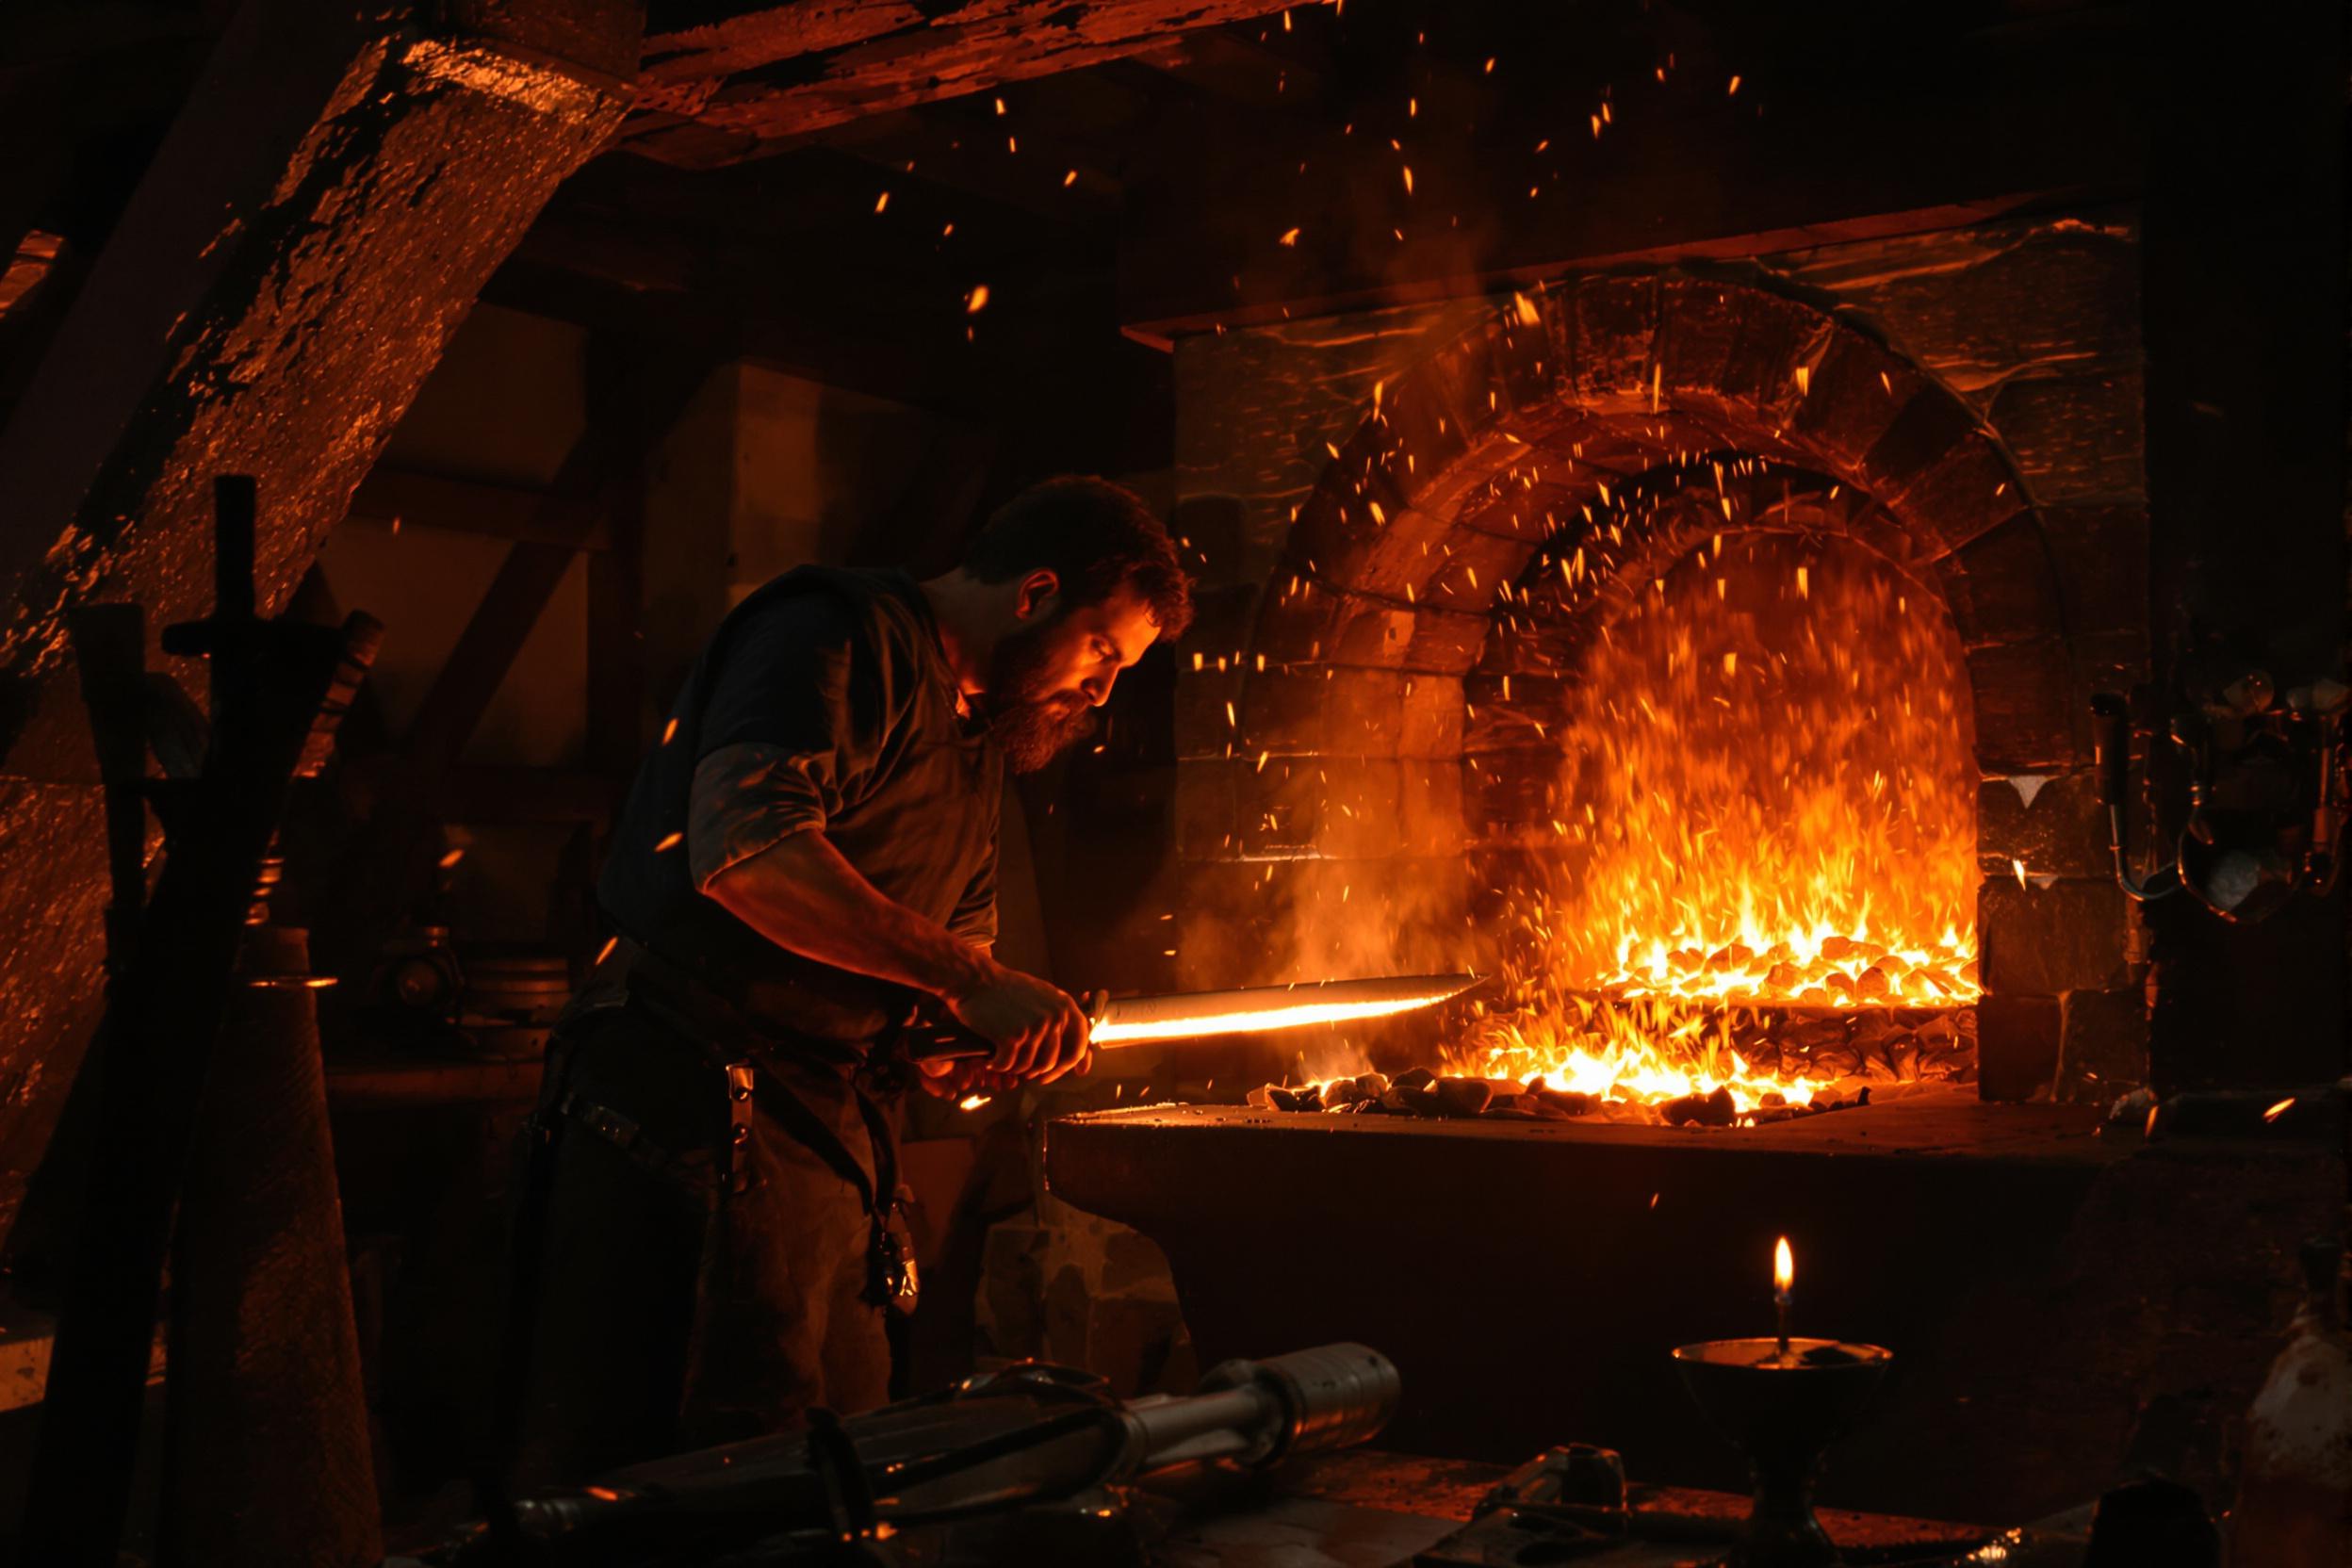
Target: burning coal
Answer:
[[1767, 802]]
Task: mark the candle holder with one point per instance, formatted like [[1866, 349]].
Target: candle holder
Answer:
[[1783, 1402]]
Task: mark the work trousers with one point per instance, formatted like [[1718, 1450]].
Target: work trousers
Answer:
[[672, 1317]]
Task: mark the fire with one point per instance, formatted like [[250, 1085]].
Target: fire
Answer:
[[1784, 1268], [1767, 802]]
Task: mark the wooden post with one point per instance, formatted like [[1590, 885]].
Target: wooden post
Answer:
[[315, 225]]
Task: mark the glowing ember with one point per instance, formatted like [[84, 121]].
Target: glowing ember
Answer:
[[1768, 802]]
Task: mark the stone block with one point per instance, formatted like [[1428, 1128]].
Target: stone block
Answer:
[[2076, 437], [1776, 336], [2101, 554], [1445, 493], [1317, 711], [1506, 792], [1446, 642], [2025, 697], [1430, 719], [2106, 661], [2063, 294], [1851, 399], [1427, 433], [1698, 327], [1223, 621], [1514, 712], [2102, 1051], [1461, 379], [1372, 632], [1207, 712], [1350, 712], [1394, 914], [1208, 825], [2017, 1046], [1528, 365], [1891, 536], [1216, 528], [1472, 566], [1354, 539], [2044, 941], [2003, 586], [2061, 832], [1299, 622], [1616, 317], [1429, 819], [1335, 807], [1522, 512]]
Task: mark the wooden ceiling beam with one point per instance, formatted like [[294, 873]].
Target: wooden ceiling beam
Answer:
[[715, 91]]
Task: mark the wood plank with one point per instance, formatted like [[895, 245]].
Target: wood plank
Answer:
[[848, 60], [408, 496], [1509, 183], [483, 795], [621, 429]]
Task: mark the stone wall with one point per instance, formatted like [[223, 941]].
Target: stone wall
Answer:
[[1363, 487]]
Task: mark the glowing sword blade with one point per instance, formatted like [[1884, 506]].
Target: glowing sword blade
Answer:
[[1257, 1010]]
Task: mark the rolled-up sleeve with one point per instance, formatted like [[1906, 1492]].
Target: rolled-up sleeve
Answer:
[[974, 919], [788, 734], [748, 798]]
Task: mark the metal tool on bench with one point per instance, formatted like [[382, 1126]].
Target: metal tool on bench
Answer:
[[1197, 1015], [1026, 1449]]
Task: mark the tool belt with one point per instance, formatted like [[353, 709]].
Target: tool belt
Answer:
[[740, 1051]]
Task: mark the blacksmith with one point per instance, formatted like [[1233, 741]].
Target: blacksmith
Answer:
[[810, 851]]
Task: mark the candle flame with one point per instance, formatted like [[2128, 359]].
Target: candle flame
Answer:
[[1784, 1266]]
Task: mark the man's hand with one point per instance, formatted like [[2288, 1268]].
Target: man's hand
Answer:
[[1038, 1032], [962, 1077]]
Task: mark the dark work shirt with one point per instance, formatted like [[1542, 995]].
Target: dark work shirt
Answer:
[[824, 703]]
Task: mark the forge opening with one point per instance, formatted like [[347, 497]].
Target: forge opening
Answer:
[[1761, 866]]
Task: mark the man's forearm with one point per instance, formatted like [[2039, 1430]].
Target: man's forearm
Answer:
[[802, 894]]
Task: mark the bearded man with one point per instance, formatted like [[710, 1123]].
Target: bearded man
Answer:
[[808, 853]]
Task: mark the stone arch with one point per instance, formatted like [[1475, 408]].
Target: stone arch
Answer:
[[1369, 638]]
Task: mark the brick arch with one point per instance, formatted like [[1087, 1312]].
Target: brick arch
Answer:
[[1505, 440]]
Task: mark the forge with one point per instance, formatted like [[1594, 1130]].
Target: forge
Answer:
[[1698, 651], [1763, 809], [798, 778]]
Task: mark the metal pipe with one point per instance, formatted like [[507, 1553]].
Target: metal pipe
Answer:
[[2110, 744], [1256, 1413]]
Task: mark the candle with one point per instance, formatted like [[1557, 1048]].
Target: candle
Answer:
[[1784, 1275]]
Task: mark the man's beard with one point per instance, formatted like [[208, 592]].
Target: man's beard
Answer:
[[1027, 721]]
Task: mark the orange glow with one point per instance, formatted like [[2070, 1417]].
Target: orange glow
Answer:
[[1297, 1015], [669, 842], [972, 1102], [1784, 1268], [2279, 1109], [1767, 800]]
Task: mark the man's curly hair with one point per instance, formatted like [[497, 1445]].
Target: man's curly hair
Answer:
[[1096, 536]]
